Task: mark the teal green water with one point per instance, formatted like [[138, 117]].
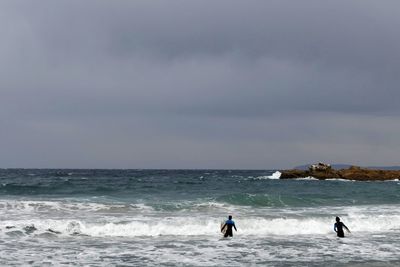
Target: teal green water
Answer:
[[172, 217]]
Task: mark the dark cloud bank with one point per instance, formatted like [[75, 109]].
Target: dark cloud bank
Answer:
[[198, 84]]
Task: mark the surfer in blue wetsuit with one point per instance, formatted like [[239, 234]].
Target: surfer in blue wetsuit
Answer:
[[338, 227], [229, 224]]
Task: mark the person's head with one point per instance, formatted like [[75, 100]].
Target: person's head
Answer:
[[230, 217], [337, 219]]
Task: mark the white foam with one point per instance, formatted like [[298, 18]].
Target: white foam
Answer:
[[37, 205], [357, 220], [309, 178], [340, 180], [124, 220], [281, 236], [275, 175]]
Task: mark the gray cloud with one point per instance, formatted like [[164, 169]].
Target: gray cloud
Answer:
[[204, 84]]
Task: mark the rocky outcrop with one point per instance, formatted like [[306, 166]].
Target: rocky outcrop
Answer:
[[352, 173]]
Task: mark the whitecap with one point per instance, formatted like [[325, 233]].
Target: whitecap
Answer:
[[309, 178], [340, 180], [275, 175]]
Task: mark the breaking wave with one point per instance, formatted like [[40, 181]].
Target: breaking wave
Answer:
[[184, 226]]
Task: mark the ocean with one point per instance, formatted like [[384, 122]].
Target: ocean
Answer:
[[172, 218]]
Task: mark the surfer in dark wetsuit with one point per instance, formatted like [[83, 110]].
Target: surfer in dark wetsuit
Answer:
[[338, 228], [229, 224]]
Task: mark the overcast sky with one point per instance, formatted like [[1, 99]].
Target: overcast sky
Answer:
[[199, 84]]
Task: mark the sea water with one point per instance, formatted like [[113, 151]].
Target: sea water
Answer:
[[172, 218]]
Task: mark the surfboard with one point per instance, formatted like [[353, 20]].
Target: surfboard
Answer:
[[226, 228]]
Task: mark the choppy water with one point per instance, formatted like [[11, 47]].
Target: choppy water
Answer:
[[172, 218]]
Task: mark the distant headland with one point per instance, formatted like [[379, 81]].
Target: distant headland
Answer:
[[324, 171]]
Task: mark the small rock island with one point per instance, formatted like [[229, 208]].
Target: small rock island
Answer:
[[324, 171]]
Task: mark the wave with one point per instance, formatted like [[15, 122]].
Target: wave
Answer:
[[276, 200], [340, 180], [35, 206], [275, 175], [189, 226], [63, 186], [227, 203], [309, 178], [62, 208]]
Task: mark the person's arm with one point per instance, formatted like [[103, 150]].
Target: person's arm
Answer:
[[222, 229], [346, 228], [334, 227], [234, 226]]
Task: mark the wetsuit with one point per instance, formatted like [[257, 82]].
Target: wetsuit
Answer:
[[229, 224], [339, 229]]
